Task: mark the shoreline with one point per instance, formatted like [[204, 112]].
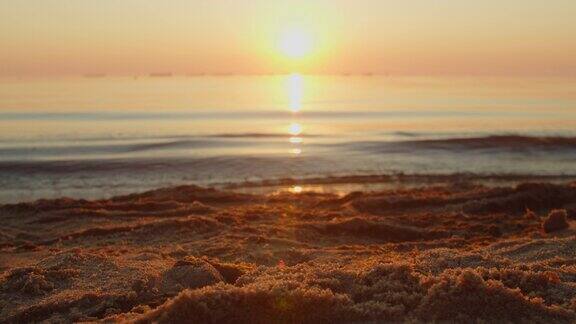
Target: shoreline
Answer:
[[337, 184], [397, 180]]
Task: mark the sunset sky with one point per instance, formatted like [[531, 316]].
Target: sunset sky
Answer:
[[70, 37]]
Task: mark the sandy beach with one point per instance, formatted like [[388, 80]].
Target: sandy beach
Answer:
[[292, 162], [453, 252]]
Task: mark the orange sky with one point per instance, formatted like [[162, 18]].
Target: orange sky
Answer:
[[513, 37]]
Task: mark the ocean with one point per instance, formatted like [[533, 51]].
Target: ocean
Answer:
[[96, 137]]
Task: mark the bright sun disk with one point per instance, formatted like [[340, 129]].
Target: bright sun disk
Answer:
[[295, 43]]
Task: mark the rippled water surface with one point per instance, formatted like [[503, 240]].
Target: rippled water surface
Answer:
[[96, 137]]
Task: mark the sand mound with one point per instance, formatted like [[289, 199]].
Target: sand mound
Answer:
[[556, 220], [457, 253], [187, 194], [35, 281], [384, 292], [189, 273], [467, 297], [358, 226], [534, 196]]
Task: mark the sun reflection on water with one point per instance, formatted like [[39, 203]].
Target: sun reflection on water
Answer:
[[295, 89], [295, 189], [296, 151], [295, 129], [295, 85], [295, 139]]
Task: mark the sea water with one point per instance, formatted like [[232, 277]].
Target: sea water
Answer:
[[98, 137]]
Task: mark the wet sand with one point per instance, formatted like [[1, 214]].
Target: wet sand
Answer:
[[454, 252]]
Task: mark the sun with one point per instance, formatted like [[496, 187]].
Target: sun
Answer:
[[295, 42]]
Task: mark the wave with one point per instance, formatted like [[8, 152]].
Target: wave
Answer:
[[183, 144], [192, 148], [59, 150], [258, 135], [120, 146], [233, 164], [115, 140], [509, 143]]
